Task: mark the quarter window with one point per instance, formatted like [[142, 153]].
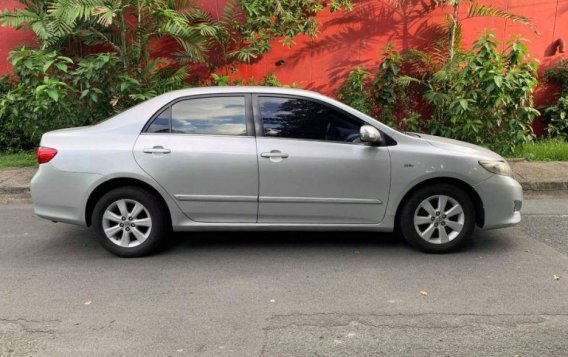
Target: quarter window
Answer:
[[213, 116], [161, 123], [305, 119]]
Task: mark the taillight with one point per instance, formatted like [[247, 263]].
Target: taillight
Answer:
[[45, 154]]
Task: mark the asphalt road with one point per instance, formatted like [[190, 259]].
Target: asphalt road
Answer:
[[285, 294]]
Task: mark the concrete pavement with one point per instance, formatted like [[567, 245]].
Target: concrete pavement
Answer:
[[283, 294], [541, 176]]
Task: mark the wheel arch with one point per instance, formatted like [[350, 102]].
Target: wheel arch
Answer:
[[467, 188], [113, 183]]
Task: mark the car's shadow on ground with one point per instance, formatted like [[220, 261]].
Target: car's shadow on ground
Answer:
[[82, 242], [283, 238], [483, 241]]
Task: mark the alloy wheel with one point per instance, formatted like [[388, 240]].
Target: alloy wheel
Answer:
[[127, 223], [439, 219]]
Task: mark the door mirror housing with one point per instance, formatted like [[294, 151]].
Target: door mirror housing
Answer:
[[370, 134]]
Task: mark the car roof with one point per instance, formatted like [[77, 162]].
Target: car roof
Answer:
[[241, 89]]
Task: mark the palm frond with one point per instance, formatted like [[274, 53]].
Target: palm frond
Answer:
[[232, 11], [18, 18], [105, 15], [479, 10], [193, 51], [405, 81], [64, 14]]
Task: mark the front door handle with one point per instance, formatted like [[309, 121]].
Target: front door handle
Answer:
[[156, 150], [274, 154]]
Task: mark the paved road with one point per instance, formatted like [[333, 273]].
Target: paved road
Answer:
[[291, 294]]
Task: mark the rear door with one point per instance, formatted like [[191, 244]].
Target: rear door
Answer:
[[202, 150], [313, 167]]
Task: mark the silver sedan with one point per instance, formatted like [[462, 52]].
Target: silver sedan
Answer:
[[257, 158]]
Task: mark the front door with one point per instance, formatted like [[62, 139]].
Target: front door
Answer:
[[313, 167], [202, 151]]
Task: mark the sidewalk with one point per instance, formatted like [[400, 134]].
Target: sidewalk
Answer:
[[15, 185], [541, 176], [537, 179]]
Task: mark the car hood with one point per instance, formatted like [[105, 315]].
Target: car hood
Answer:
[[460, 146]]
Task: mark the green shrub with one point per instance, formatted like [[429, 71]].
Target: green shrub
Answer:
[[556, 116], [355, 91], [559, 74], [38, 102], [389, 96], [269, 80], [484, 96], [53, 91]]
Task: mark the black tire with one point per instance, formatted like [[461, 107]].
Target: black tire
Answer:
[[409, 231], [157, 211]]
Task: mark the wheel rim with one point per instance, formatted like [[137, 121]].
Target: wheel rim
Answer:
[[127, 223], [439, 219]]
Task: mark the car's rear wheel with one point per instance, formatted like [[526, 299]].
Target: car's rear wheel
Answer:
[[437, 219], [130, 222]]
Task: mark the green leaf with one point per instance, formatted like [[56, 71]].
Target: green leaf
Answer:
[[498, 81], [62, 67], [53, 94], [47, 65]]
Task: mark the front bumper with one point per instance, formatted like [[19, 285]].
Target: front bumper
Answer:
[[502, 198], [61, 195]]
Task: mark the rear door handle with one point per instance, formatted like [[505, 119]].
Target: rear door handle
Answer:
[[274, 154], [156, 150]]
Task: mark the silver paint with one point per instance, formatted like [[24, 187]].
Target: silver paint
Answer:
[[219, 182]]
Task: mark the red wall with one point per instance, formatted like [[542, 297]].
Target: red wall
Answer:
[[358, 38], [348, 39], [10, 38]]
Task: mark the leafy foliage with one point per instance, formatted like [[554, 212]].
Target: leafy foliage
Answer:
[[355, 91], [257, 22], [64, 85], [556, 116], [53, 92], [269, 80], [484, 96], [384, 96], [389, 94], [559, 74]]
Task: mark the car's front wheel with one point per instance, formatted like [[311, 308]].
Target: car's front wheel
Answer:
[[130, 222], [437, 219]]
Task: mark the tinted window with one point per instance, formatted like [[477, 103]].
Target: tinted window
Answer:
[[161, 123], [214, 116], [306, 119]]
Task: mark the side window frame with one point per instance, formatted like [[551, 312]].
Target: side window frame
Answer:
[[259, 123], [249, 120]]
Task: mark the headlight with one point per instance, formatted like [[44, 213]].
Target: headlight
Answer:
[[496, 167]]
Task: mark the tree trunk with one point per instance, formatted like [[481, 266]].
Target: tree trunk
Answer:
[[453, 31]]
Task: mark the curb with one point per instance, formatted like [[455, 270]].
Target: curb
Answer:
[[544, 186], [14, 191]]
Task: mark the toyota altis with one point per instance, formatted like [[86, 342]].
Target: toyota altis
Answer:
[[257, 158]]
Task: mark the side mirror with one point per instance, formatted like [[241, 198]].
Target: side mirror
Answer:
[[370, 134]]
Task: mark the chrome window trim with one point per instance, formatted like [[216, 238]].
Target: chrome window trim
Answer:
[[259, 125], [249, 121]]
